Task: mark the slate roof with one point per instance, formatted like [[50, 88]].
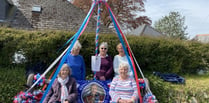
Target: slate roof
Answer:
[[145, 30]]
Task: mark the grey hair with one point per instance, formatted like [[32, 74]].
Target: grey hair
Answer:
[[122, 65], [103, 44], [66, 66], [77, 45]]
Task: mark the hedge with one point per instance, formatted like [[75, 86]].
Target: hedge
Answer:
[[152, 54]]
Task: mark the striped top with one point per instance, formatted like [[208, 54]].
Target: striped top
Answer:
[[124, 89]]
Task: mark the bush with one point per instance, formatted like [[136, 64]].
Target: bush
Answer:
[[153, 54], [12, 81]]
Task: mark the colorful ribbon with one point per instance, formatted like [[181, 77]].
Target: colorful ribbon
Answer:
[[68, 51], [97, 29], [119, 32]]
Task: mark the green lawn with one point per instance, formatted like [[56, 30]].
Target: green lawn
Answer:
[[197, 86]]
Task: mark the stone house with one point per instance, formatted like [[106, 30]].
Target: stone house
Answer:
[[45, 14], [145, 30], [6, 10]]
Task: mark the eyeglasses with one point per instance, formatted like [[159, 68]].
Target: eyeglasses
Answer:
[[104, 48]]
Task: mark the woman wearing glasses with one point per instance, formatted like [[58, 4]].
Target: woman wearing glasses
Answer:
[[106, 67]]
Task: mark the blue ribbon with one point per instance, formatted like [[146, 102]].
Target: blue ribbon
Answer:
[[66, 54], [121, 39]]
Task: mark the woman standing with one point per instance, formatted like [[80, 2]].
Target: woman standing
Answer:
[[76, 62], [120, 58], [106, 68], [123, 87], [63, 89]]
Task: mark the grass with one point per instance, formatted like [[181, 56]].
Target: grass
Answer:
[[196, 82], [197, 86]]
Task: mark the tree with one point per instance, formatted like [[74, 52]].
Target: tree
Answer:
[[125, 12], [172, 26]]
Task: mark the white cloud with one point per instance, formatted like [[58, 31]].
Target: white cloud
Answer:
[[195, 12]]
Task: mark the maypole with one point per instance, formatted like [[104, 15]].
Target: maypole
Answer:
[[80, 31], [97, 31], [62, 58]]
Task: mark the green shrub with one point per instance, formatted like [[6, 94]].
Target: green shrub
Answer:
[[12, 81], [153, 54]]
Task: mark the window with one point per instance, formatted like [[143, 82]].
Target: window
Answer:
[[36, 8]]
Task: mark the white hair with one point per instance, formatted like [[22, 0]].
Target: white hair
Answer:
[[77, 45], [103, 44], [122, 65]]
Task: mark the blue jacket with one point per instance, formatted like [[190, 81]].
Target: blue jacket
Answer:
[[77, 65]]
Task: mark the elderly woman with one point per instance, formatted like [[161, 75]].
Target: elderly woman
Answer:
[[63, 89], [120, 58], [76, 62], [106, 67], [123, 87]]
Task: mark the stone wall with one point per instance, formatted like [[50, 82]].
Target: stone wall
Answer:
[[55, 15]]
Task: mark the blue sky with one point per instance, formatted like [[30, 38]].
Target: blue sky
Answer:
[[196, 13]]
